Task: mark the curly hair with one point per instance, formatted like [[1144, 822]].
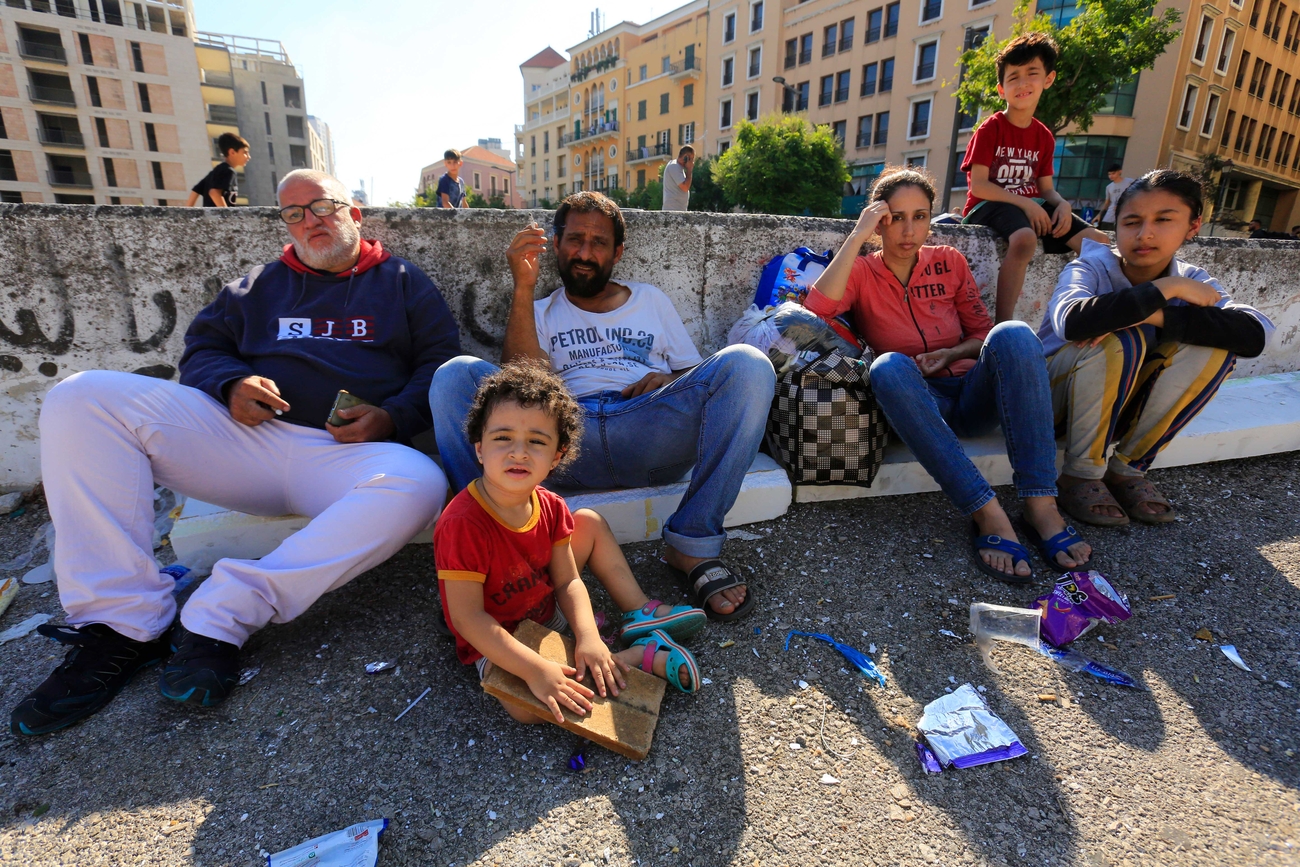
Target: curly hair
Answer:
[[895, 177], [1024, 49], [529, 383]]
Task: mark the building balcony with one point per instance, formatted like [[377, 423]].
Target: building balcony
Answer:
[[841, 94], [217, 79], [70, 178], [63, 138], [544, 120], [42, 52], [598, 66], [223, 114], [640, 155], [846, 43], [595, 131], [51, 95], [688, 68]]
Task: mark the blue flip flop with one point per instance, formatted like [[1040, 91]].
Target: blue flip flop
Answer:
[[1058, 544], [681, 623], [677, 657], [997, 543]]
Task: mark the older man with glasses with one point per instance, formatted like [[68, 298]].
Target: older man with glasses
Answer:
[[245, 429]]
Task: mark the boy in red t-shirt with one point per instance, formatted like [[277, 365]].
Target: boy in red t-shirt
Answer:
[[1008, 165], [508, 550]]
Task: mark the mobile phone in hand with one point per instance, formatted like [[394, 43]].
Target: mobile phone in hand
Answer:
[[345, 400]]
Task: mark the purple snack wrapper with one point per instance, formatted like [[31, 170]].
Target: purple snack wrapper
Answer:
[[929, 762], [1078, 602]]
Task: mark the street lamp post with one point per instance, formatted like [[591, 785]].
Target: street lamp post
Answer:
[[972, 39], [1223, 188]]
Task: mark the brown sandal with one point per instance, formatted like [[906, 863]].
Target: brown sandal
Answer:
[[1078, 500], [1134, 491]]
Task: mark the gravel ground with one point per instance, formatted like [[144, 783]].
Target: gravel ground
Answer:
[[1198, 769]]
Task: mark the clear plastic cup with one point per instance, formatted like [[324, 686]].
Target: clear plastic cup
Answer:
[[990, 623]]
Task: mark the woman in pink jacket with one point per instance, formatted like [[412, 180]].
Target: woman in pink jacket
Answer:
[[943, 370]]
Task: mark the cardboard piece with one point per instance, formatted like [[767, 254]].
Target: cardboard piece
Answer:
[[625, 725]]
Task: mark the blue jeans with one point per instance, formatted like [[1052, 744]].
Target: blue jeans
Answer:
[[711, 419], [1008, 385]]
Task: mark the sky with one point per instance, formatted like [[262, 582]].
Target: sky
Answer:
[[400, 81]]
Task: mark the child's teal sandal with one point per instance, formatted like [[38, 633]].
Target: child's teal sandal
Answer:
[[677, 657], [681, 623]]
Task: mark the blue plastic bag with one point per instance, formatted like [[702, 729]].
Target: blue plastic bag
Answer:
[[789, 276]]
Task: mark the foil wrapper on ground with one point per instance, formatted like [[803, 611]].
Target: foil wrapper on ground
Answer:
[[354, 846], [1078, 602], [962, 732], [1080, 663], [856, 657]]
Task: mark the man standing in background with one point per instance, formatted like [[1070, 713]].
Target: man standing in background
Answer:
[[1118, 184], [677, 180]]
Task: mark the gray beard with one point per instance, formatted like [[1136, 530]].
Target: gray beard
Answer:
[[338, 256]]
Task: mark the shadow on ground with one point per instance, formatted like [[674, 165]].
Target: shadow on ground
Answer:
[[1194, 770]]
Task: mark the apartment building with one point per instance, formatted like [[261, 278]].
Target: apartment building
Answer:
[[1231, 87], [486, 170], [321, 143], [270, 111], [217, 84], [99, 102], [614, 113], [880, 74], [664, 92]]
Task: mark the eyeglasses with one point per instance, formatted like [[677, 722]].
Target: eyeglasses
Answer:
[[320, 207]]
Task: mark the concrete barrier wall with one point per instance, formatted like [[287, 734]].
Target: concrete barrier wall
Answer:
[[115, 287]]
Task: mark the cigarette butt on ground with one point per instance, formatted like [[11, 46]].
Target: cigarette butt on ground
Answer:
[[1047, 696], [1163, 597]]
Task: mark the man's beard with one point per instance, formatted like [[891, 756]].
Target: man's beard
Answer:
[[337, 256], [581, 285]]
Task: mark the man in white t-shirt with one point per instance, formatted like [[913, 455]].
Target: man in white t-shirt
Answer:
[[1118, 184], [677, 180], [654, 408]]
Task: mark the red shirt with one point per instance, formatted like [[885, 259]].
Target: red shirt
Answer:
[[1016, 157], [939, 308], [472, 543]]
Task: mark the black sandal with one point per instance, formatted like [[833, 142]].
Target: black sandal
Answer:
[[710, 578]]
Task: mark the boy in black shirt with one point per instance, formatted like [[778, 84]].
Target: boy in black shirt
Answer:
[[220, 188]]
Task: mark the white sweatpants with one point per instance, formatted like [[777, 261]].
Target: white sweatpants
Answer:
[[106, 440]]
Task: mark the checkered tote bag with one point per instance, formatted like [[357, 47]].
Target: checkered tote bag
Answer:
[[825, 426]]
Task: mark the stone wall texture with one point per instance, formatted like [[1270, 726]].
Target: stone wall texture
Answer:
[[114, 287]]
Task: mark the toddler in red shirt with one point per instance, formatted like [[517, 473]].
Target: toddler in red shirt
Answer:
[[508, 550], [1008, 166]]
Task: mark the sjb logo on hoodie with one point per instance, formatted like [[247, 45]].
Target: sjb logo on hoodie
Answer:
[[360, 328]]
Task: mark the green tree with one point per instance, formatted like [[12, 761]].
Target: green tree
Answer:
[[783, 165], [706, 194], [1105, 46], [647, 198], [476, 200], [619, 196], [427, 198]]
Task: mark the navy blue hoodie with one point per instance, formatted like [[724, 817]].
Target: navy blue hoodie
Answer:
[[379, 331]]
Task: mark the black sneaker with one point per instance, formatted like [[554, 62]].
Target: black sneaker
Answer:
[[202, 670], [100, 663]]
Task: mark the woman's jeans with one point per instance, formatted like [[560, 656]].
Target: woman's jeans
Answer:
[[1008, 385]]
